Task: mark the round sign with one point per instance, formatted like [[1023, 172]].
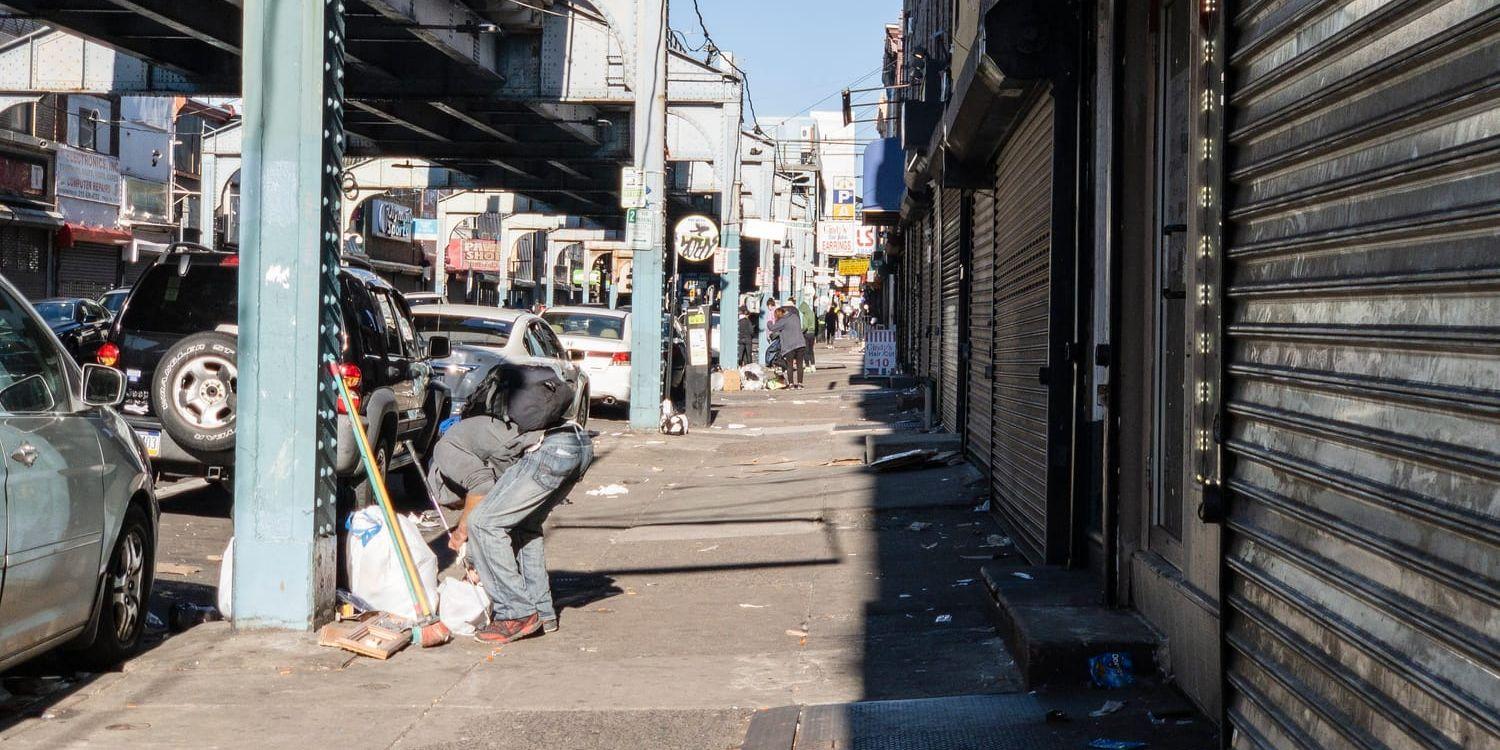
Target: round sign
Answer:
[[696, 238]]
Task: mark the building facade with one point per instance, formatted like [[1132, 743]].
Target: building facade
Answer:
[[1206, 292]]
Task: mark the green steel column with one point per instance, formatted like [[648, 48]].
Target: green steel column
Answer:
[[650, 145], [729, 225], [284, 552]]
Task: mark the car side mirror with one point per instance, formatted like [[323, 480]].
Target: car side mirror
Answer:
[[438, 347], [103, 386], [575, 355], [28, 395]]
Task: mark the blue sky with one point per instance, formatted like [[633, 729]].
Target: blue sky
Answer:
[[795, 51]]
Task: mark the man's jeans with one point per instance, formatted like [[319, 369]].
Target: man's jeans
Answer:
[[505, 531]]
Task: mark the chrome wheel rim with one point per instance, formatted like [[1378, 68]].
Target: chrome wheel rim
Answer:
[[127, 580], [205, 392]]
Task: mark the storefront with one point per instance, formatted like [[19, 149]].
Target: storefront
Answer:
[[27, 223], [90, 246], [390, 242]]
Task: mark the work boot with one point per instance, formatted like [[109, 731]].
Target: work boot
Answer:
[[505, 631]]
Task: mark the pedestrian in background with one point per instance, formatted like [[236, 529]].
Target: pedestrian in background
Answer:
[[746, 337], [830, 323], [809, 333], [787, 327]]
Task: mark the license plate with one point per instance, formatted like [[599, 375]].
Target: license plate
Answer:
[[151, 440]]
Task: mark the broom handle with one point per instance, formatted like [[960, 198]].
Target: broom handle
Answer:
[[382, 496], [426, 490]]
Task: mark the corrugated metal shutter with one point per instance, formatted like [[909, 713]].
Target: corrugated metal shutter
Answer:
[[981, 322], [87, 270], [130, 272], [932, 272], [25, 255], [1023, 248], [1363, 343], [949, 299]]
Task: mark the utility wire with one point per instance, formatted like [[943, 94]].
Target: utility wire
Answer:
[[714, 48]]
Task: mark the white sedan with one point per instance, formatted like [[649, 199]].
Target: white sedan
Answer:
[[599, 339], [481, 337]]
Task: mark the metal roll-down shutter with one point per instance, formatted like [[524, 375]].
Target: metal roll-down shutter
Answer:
[[25, 258], [1362, 240], [87, 270], [950, 301], [1022, 301], [981, 320]]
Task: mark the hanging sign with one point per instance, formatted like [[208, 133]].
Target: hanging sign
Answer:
[[695, 238], [390, 220], [632, 188], [842, 239], [880, 351], [854, 266], [843, 198], [721, 260]]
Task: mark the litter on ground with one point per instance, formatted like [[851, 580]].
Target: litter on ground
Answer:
[[609, 490]]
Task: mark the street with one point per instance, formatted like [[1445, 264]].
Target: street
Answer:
[[756, 564]]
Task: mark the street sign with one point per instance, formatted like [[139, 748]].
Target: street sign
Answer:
[[843, 198], [638, 229], [854, 266], [846, 238], [632, 188], [721, 260], [695, 238]]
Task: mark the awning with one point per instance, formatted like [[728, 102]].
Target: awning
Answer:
[[73, 234], [885, 182], [29, 217]]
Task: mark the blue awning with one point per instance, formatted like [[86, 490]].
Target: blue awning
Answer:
[[885, 183]]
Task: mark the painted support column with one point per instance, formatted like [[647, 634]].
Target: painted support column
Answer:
[[284, 511], [650, 148], [208, 177], [729, 228]]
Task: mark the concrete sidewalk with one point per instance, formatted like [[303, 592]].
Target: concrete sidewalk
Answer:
[[750, 566]]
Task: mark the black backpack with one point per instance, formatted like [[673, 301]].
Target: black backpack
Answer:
[[534, 397]]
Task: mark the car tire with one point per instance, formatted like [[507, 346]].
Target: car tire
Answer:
[[194, 391], [364, 487], [584, 405], [121, 618]]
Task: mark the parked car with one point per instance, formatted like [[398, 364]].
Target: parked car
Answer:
[[418, 299], [113, 300], [598, 339], [483, 337], [80, 324], [176, 342], [79, 512]]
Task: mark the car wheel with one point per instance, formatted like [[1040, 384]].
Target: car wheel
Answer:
[[195, 391], [127, 591], [364, 487], [584, 405]]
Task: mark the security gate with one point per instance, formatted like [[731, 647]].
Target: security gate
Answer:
[[87, 270], [981, 361], [1022, 306], [1362, 549], [25, 259], [950, 301]]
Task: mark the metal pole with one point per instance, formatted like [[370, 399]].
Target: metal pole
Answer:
[[729, 232], [650, 130], [284, 511]]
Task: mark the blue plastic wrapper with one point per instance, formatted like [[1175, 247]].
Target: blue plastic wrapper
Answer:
[[449, 422], [1112, 670], [1103, 744]]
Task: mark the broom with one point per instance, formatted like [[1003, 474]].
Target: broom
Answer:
[[428, 631]]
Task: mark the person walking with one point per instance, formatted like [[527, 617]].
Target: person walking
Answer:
[[787, 327], [830, 323]]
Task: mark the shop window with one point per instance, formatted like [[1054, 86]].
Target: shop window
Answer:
[[88, 129]]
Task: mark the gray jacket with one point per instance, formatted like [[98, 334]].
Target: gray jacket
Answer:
[[472, 455], [788, 330]]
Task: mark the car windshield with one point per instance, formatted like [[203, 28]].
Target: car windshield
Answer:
[[462, 329], [165, 301], [586, 324], [56, 313], [113, 301]]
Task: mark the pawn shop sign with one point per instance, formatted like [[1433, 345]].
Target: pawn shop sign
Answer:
[[696, 238]]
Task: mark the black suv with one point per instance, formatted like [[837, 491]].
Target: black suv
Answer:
[[175, 338]]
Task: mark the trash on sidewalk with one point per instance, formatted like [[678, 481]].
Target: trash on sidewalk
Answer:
[[1104, 744], [918, 525], [997, 540], [983, 507], [375, 568], [903, 460], [1108, 708], [796, 632], [1056, 716], [753, 606], [462, 606], [153, 623], [1112, 670], [943, 619], [375, 634], [184, 615], [1023, 576], [226, 581], [609, 490], [1178, 716], [176, 569]]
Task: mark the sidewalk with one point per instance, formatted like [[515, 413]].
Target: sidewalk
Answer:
[[750, 566]]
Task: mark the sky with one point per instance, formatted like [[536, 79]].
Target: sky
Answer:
[[795, 52]]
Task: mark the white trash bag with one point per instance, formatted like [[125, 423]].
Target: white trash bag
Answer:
[[463, 606], [375, 572]]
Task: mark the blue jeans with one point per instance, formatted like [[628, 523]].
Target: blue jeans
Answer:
[[505, 531]]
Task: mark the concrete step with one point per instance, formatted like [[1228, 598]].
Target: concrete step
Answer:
[[1052, 620]]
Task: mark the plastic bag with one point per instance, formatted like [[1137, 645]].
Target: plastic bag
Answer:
[[375, 571], [226, 581], [462, 606], [1111, 670]]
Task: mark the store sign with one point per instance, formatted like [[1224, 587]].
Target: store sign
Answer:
[[880, 351], [88, 176], [424, 230], [695, 238], [844, 239], [22, 178], [843, 198], [390, 220], [760, 229], [474, 255], [854, 266]]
